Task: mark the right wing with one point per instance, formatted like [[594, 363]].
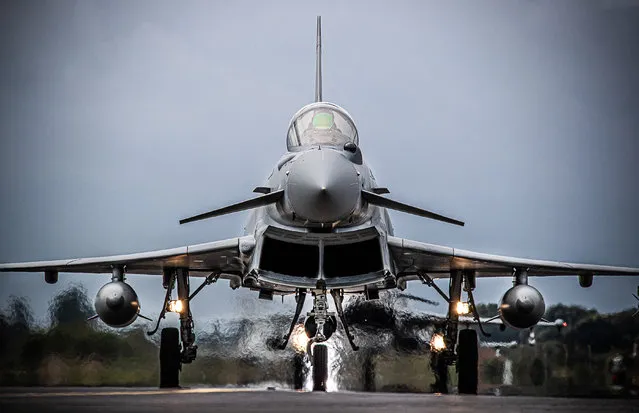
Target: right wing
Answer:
[[224, 257], [438, 261]]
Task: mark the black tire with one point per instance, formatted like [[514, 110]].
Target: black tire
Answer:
[[369, 374], [170, 358], [538, 372], [440, 369], [467, 362], [320, 367], [299, 370]]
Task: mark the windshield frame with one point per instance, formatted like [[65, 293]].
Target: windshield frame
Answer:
[[294, 137]]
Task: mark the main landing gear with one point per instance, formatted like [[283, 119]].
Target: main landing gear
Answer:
[[172, 353], [453, 346]]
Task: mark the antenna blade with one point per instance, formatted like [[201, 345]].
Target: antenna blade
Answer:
[[318, 61]]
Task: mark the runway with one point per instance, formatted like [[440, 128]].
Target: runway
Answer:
[[242, 400]]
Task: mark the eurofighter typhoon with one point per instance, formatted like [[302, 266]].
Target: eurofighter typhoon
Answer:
[[320, 228]]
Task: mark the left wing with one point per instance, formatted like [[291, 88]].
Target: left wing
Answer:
[[412, 257], [218, 256]]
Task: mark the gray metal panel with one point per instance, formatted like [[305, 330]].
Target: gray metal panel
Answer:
[[412, 256], [216, 256], [211, 256]]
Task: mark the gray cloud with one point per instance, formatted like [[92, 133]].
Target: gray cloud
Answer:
[[119, 118]]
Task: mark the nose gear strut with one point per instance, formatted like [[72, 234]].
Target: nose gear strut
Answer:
[[319, 326]]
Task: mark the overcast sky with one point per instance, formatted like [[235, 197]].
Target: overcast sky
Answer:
[[520, 117]]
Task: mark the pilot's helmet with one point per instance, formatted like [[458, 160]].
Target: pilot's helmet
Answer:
[[323, 120]]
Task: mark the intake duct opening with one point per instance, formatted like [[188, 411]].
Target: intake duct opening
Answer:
[[282, 257], [345, 260]]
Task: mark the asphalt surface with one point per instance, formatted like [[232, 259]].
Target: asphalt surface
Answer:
[[110, 400]]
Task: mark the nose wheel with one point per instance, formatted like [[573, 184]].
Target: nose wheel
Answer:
[[320, 326], [320, 367]]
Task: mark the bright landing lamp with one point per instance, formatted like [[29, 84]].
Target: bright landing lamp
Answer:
[[437, 342], [176, 306], [462, 308]]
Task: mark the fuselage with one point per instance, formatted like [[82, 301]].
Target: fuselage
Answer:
[[322, 230]]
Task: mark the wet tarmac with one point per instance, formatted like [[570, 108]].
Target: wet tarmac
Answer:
[[242, 400]]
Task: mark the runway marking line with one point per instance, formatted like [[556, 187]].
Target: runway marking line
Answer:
[[125, 393]]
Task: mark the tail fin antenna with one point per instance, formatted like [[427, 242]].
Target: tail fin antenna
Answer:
[[318, 61]]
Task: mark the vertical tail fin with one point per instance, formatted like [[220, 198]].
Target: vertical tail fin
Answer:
[[318, 61]]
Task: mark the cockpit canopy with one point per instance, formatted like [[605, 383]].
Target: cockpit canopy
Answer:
[[321, 123]]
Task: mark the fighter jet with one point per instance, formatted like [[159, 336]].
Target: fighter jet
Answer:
[[320, 226]]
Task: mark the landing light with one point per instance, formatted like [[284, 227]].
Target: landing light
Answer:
[[437, 342], [299, 340], [176, 306], [463, 308]]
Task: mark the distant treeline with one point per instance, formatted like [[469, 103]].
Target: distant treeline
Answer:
[[72, 351], [587, 329], [575, 360]]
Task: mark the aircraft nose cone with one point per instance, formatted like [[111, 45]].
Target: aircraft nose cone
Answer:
[[323, 186]]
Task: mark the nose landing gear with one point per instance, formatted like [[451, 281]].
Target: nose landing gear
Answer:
[[320, 326]]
